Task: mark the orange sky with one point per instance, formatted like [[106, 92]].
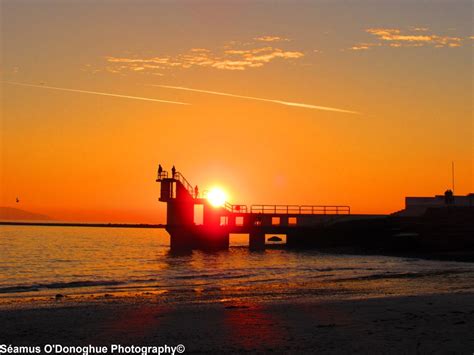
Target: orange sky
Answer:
[[406, 69]]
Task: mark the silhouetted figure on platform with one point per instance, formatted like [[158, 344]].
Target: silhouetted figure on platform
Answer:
[[160, 170], [173, 171], [196, 192]]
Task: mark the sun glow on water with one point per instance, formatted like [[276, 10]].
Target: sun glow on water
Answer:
[[216, 197]]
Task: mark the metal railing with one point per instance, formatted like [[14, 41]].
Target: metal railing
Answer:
[[235, 208], [299, 210], [262, 209], [178, 176], [162, 175]]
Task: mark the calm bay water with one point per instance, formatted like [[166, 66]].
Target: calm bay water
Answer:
[[42, 261]]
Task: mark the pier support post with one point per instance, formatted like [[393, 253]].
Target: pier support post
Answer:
[[291, 239], [212, 240], [197, 237], [257, 241], [181, 239]]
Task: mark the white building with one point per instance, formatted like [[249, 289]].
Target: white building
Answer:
[[416, 206]]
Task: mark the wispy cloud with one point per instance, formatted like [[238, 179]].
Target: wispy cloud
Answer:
[[420, 29], [280, 102], [97, 93], [395, 35], [364, 46], [415, 37], [231, 59], [271, 39], [234, 55]]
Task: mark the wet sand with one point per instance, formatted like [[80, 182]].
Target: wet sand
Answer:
[[415, 324]]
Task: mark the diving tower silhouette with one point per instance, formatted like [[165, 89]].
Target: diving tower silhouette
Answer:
[[194, 223]]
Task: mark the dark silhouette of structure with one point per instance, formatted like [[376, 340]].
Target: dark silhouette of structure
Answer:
[[445, 224], [194, 223]]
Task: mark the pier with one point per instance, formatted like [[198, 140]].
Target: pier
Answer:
[[194, 223]]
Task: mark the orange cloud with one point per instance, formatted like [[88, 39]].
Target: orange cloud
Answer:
[[364, 46], [229, 59], [392, 37], [420, 29], [271, 39]]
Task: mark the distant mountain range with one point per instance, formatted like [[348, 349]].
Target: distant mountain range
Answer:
[[15, 214]]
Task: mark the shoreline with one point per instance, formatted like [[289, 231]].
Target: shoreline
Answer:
[[458, 256], [78, 224], [409, 324]]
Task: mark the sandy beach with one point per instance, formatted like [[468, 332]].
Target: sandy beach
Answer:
[[407, 325]]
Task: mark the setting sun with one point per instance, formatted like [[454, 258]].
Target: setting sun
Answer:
[[217, 197]]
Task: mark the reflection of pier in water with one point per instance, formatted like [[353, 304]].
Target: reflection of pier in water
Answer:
[[193, 223]]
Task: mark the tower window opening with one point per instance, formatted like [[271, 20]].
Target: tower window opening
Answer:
[[198, 214], [239, 221]]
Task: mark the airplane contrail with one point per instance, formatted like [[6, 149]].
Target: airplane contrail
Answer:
[[97, 93], [295, 104]]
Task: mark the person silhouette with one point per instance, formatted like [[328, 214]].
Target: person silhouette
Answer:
[[160, 170], [173, 171], [196, 192]]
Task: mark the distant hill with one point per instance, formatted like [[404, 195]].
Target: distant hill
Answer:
[[15, 214]]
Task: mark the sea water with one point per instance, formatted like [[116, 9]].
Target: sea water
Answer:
[[45, 261]]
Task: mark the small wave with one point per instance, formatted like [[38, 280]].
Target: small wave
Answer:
[[57, 285], [405, 275], [16, 289], [190, 277], [213, 276]]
